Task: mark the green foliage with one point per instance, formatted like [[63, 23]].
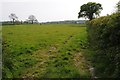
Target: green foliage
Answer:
[[89, 10], [104, 39], [118, 7]]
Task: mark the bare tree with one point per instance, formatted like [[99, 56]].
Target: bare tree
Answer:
[[32, 19], [13, 17]]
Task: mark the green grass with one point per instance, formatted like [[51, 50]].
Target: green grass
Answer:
[[47, 50]]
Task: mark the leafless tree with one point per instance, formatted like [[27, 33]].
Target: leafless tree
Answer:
[[13, 17]]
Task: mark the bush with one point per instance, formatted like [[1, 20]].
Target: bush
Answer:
[[104, 39]]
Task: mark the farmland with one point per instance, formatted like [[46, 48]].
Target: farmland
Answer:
[[44, 51]]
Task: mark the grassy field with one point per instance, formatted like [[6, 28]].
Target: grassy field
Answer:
[[44, 51]]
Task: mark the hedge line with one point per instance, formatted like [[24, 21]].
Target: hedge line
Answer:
[[104, 39]]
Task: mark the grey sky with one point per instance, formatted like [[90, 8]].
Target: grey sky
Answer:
[[50, 10]]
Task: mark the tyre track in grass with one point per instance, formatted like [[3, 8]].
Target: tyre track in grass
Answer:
[[84, 65], [81, 63], [39, 69]]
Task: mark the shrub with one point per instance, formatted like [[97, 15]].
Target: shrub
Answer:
[[104, 39]]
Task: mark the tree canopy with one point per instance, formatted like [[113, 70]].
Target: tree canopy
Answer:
[[90, 10], [32, 19]]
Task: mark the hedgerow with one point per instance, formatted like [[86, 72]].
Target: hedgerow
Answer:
[[104, 39]]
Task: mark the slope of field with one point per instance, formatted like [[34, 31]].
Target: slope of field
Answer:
[[44, 51]]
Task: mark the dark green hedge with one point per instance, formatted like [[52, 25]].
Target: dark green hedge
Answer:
[[104, 39]]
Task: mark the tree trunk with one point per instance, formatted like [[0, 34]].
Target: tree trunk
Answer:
[[13, 21], [32, 21], [91, 17]]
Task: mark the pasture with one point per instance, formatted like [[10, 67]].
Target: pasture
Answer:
[[44, 51]]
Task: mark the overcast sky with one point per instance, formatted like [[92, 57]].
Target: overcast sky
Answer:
[[50, 10]]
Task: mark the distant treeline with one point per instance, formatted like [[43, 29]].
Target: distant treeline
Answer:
[[16, 22], [52, 22], [68, 22], [104, 39]]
